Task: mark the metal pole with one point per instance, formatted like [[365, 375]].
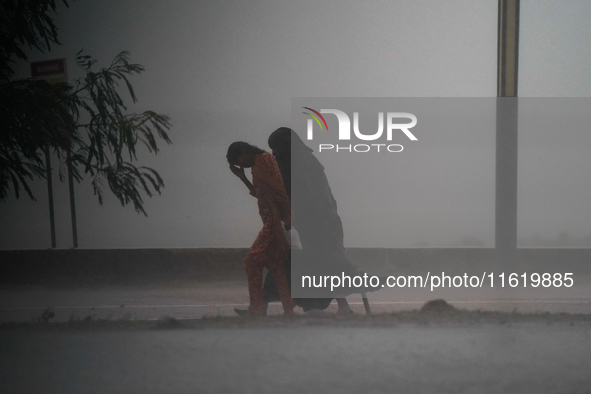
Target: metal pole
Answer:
[[72, 202], [506, 139], [508, 48], [50, 197], [365, 303]]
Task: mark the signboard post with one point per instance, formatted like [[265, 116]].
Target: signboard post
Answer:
[[55, 71]]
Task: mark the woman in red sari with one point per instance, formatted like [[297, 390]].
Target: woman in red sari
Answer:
[[271, 246]]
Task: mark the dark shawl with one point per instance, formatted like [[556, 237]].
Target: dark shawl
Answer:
[[314, 211]]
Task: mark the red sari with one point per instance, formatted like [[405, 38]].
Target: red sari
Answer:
[[271, 246]]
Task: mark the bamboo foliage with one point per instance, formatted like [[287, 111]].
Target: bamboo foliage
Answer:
[[87, 119], [106, 143]]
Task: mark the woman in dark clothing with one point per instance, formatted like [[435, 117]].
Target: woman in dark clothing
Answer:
[[315, 215]]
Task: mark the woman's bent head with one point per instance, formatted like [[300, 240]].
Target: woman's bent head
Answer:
[[242, 154]]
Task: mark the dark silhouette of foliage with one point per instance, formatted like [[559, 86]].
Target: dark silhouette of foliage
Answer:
[[84, 123], [33, 117], [25, 22]]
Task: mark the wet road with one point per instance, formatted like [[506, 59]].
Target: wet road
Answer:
[[407, 358], [541, 356]]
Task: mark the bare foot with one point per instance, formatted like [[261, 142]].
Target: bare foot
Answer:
[[345, 312], [344, 308]]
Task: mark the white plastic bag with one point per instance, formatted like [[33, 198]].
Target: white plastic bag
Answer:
[[294, 238]]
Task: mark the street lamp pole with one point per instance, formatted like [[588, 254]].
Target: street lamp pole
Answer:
[[506, 131]]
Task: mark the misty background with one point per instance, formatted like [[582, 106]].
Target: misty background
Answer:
[[227, 70]]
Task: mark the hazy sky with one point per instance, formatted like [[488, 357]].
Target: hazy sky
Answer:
[[227, 70]]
